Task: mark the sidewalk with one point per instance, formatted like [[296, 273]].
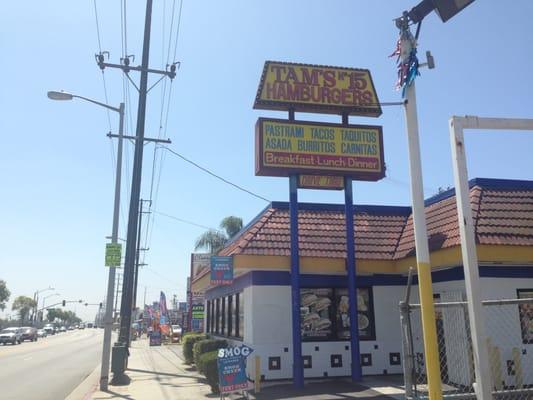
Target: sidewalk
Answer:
[[157, 373]]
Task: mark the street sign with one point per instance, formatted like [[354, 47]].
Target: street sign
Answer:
[[221, 270], [232, 368], [113, 254], [317, 88], [286, 147]]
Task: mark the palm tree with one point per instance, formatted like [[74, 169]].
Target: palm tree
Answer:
[[214, 240]]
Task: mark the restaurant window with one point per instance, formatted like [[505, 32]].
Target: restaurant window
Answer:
[[234, 315], [212, 316], [222, 316], [240, 332], [324, 314], [217, 315], [208, 327], [229, 321]]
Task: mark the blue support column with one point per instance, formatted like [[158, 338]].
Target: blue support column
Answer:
[[297, 364], [351, 270]]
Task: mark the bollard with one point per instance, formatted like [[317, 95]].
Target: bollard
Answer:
[[257, 381]]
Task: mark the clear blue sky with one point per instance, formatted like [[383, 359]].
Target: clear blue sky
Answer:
[[56, 166]]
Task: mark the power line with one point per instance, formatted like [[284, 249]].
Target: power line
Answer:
[[185, 221], [215, 175]]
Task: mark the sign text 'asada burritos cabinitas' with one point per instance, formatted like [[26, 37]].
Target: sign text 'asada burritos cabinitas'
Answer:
[[297, 147], [317, 88]]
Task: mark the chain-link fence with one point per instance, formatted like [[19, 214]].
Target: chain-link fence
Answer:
[[509, 330]]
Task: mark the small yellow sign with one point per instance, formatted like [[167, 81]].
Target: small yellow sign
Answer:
[[321, 182], [317, 88], [286, 147]]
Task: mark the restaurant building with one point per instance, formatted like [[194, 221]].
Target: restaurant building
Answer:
[[256, 307]]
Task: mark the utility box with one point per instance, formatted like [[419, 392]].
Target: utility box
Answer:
[[119, 359]]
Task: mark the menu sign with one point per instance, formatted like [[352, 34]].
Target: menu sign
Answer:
[[316, 321], [364, 314]]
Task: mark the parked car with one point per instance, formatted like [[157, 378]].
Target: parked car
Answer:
[[62, 329], [82, 326], [29, 333], [70, 328], [175, 334], [41, 333], [11, 335]]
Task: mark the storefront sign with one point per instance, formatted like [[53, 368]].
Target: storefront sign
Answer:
[[291, 147], [232, 368], [155, 338], [221, 270], [198, 311], [113, 253], [317, 88], [321, 182], [199, 263]]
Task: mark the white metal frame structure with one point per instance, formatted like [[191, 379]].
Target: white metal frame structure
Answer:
[[483, 385]]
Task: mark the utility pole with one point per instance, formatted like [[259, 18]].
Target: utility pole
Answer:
[[139, 249], [119, 275], [120, 349]]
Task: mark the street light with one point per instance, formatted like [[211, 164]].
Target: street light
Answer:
[[36, 300], [407, 70], [108, 319]]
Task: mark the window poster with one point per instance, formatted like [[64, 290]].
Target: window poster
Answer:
[[526, 315], [365, 315], [316, 314]]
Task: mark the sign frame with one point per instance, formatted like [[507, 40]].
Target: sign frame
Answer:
[[372, 110], [262, 170]]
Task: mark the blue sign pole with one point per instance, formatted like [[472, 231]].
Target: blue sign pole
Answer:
[[352, 292], [297, 364]]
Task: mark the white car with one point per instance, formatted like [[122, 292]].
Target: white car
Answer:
[[11, 335]]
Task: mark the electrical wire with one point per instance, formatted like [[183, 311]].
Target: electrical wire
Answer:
[[215, 175], [185, 221]]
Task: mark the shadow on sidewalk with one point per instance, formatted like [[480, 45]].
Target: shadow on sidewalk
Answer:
[[145, 371], [320, 390]]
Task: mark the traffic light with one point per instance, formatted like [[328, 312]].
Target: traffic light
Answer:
[[101, 305], [86, 304], [64, 303]]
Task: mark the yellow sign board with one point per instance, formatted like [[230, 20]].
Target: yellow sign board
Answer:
[[321, 182], [317, 88], [286, 147]]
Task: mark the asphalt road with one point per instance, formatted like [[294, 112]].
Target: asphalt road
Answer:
[[51, 368]]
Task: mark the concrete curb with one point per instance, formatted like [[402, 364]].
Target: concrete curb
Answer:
[[88, 386]]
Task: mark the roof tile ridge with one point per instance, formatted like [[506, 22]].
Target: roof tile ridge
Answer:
[[257, 227], [404, 225], [478, 209]]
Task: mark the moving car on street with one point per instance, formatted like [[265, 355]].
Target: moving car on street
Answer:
[[29, 333], [11, 335], [175, 335], [50, 330]]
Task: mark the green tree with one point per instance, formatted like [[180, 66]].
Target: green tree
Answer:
[[23, 304], [214, 240], [4, 295]]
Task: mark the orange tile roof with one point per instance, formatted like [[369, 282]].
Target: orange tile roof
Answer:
[[502, 212]]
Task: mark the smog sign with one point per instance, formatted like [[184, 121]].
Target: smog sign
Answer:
[[296, 147], [317, 88]]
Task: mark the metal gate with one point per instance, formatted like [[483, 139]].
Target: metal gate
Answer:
[[509, 328]]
